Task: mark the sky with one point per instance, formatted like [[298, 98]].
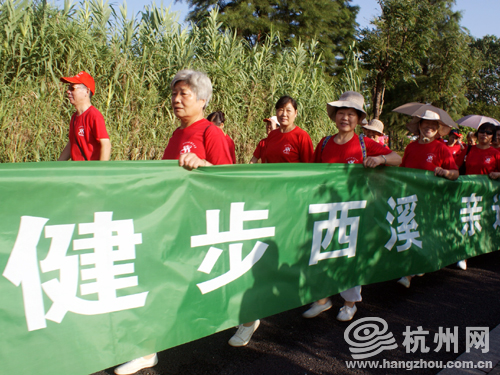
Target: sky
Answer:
[[479, 17]]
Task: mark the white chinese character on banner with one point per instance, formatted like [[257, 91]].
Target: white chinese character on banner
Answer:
[[407, 228], [473, 214], [112, 241], [477, 337], [447, 338], [347, 230], [236, 235], [414, 339], [496, 208]]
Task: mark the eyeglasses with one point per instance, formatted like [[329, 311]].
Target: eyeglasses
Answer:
[[488, 132], [73, 88]]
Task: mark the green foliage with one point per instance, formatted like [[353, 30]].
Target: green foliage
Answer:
[[423, 57], [330, 22], [484, 77], [133, 62]]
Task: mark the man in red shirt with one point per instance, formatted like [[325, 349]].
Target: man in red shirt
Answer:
[[88, 138]]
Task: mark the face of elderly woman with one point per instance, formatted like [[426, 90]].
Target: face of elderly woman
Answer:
[[184, 102], [286, 115], [429, 128], [346, 119]]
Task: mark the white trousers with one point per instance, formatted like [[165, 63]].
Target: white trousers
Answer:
[[352, 295]]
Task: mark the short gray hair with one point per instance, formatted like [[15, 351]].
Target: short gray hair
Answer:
[[198, 82]]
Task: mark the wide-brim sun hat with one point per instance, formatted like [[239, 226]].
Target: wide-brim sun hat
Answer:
[[412, 126], [349, 99], [375, 125]]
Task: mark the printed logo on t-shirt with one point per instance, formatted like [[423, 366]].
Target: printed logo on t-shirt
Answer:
[[487, 159], [352, 160], [430, 158], [81, 131], [186, 147], [287, 149]]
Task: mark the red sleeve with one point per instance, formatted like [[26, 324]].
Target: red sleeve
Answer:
[[98, 126], [258, 150], [318, 152], [405, 155], [460, 156], [448, 159], [306, 149], [232, 148], [216, 147], [374, 148]]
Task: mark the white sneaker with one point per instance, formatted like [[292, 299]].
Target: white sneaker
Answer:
[[462, 264], [346, 313], [404, 281], [243, 334], [317, 309], [135, 365]]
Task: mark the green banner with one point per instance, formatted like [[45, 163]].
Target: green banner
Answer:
[[105, 262]]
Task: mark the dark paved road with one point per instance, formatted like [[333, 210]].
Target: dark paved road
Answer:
[[289, 344]]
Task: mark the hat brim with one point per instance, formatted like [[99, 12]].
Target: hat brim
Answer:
[[372, 129], [333, 106], [70, 80], [412, 126]]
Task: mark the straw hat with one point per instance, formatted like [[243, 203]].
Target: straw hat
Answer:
[[349, 99], [376, 126], [412, 126]]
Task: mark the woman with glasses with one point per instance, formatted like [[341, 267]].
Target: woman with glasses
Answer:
[[481, 158]]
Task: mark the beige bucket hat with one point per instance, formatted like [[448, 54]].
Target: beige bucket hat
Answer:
[[349, 99], [376, 126], [412, 126]]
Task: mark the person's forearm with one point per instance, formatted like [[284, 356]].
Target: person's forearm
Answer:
[[393, 159], [105, 154], [66, 153]]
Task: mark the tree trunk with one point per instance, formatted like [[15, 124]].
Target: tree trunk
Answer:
[[378, 96]]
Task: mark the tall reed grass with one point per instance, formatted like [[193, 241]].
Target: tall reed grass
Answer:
[[133, 61]]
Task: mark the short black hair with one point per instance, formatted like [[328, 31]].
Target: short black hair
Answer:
[[488, 126], [284, 100]]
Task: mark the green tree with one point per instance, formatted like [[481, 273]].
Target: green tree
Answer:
[[396, 44], [484, 79], [331, 22]]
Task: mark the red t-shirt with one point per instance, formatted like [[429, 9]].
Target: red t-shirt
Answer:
[[89, 128], [348, 153], [456, 149], [428, 156], [292, 147], [259, 150], [202, 138], [232, 148], [480, 161]]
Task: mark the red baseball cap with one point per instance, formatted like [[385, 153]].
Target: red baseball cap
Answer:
[[84, 78]]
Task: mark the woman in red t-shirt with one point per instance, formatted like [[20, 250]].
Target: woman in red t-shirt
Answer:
[[346, 147], [428, 153], [481, 158], [288, 143], [454, 142], [195, 143], [218, 119], [271, 124]]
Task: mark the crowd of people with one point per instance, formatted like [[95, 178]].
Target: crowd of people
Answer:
[[200, 142]]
